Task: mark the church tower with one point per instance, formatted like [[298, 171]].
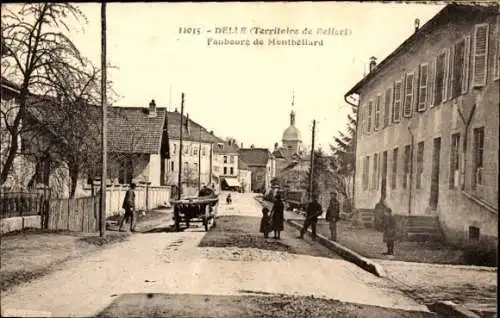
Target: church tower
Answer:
[[292, 140]]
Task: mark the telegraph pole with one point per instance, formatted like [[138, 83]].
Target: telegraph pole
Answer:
[[180, 148], [102, 205], [311, 174]]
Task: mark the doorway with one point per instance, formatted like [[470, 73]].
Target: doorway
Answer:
[[436, 154]]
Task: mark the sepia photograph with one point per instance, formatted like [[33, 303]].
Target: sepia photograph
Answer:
[[249, 159]]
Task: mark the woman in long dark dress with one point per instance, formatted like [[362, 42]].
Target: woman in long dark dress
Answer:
[[277, 218]]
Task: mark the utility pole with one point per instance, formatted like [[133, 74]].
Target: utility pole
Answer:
[[180, 149], [199, 162], [102, 205], [311, 174]]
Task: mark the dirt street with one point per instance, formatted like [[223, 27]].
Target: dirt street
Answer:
[[232, 268]]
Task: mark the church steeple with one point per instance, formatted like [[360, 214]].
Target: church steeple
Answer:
[[292, 118]]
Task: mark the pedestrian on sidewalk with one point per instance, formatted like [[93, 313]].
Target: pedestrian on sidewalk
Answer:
[[313, 211], [277, 217], [389, 225], [333, 215], [129, 206], [265, 222]]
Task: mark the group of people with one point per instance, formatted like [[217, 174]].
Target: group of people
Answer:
[[273, 220]]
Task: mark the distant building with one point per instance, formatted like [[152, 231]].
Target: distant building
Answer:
[[226, 163], [260, 162], [245, 176], [429, 123]]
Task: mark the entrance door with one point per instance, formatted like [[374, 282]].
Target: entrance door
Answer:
[[384, 175], [434, 197]]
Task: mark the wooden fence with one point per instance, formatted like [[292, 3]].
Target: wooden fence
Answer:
[[23, 203], [81, 214]]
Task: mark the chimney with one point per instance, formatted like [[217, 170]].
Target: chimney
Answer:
[[241, 145], [417, 24], [176, 110], [252, 146], [186, 124], [211, 132], [373, 63], [152, 108]]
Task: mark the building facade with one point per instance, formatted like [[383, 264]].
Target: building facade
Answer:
[[260, 163], [428, 127], [245, 176], [225, 165], [198, 153]]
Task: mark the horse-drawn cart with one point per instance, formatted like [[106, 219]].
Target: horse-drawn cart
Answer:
[[195, 209]]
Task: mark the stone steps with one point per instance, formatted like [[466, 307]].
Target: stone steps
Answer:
[[423, 228]]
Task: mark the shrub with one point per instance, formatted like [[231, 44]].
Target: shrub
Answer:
[[481, 253]]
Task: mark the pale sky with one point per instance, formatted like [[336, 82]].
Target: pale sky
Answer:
[[246, 92]]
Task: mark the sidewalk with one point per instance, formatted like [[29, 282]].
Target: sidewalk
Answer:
[[419, 269]]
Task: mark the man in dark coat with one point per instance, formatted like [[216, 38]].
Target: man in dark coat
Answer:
[[129, 206], [333, 215], [389, 226], [313, 211], [277, 216]]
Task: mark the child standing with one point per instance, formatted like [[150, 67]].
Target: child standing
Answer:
[[265, 222]]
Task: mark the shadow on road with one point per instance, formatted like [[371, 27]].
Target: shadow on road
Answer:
[[269, 305]]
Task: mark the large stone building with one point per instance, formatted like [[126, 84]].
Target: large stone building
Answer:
[[428, 126], [226, 164], [292, 163]]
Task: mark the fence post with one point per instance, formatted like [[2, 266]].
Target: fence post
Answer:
[[147, 196]]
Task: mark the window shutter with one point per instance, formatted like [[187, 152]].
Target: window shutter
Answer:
[[423, 87], [408, 94], [446, 74], [378, 112], [387, 106], [465, 77], [432, 83], [396, 106], [479, 67], [451, 69]]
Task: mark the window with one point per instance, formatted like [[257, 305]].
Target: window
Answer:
[[225, 170], [375, 172], [195, 150], [394, 168], [231, 170], [203, 151], [196, 167], [125, 170], [422, 87], [408, 102], [480, 55], [369, 117], [225, 159], [439, 84], [231, 159], [458, 68], [174, 148], [396, 106], [406, 162], [387, 106], [454, 161], [420, 164], [186, 149], [366, 172], [172, 166], [378, 106], [478, 177], [186, 166], [431, 82], [474, 233], [496, 63]]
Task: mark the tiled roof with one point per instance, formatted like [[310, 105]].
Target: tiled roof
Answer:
[[457, 10], [227, 149], [242, 164], [132, 130], [255, 156], [196, 132]]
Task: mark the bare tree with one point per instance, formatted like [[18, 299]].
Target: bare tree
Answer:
[[34, 53]]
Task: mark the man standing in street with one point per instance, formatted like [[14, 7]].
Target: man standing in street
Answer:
[[333, 215], [313, 211], [129, 206]]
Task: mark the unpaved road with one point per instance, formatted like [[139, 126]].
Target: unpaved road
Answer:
[[231, 260]]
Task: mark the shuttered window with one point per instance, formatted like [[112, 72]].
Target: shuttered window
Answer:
[[387, 106], [479, 67], [369, 117], [449, 77], [378, 108], [396, 106], [446, 77], [409, 88], [458, 68], [422, 87], [439, 86], [466, 68], [432, 83]]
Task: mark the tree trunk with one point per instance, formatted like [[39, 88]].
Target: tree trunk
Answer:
[[10, 159], [73, 173]]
